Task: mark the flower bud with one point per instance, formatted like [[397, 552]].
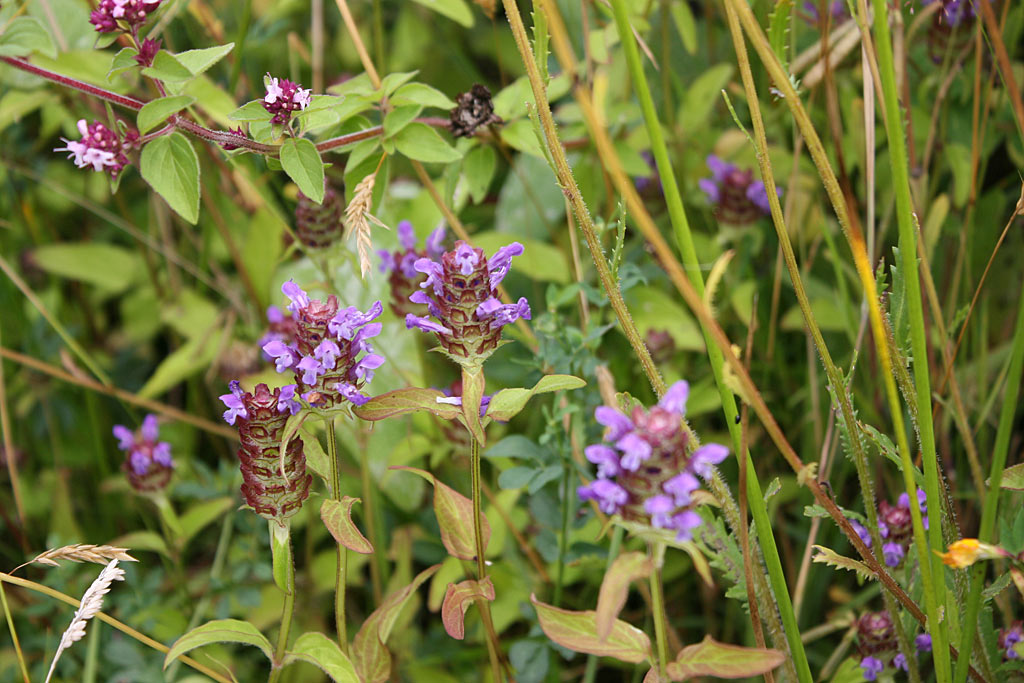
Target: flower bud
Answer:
[[319, 225]]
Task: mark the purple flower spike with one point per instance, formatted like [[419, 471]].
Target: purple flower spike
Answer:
[[149, 464], [100, 147], [704, 457], [674, 400], [233, 401], [605, 458], [283, 97], [736, 197], [617, 423], [872, 667]]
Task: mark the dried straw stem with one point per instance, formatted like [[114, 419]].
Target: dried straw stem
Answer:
[[82, 552]]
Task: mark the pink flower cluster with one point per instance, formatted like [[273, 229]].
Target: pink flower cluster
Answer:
[[111, 15], [99, 147], [283, 97]]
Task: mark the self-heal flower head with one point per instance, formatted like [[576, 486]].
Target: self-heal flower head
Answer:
[[329, 351], [260, 417], [100, 148], [400, 266], [736, 197], [461, 295], [148, 464], [124, 15], [646, 455], [283, 97]]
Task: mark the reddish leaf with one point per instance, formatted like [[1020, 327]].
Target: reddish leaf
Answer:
[[578, 631], [457, 600], [455, 517], [626, 569], [409, 400], [652, 676], [711, 658], [337, 517], [369, 654]]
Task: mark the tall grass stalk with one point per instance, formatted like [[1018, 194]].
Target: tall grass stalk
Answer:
[[988, 514], [932, 575]]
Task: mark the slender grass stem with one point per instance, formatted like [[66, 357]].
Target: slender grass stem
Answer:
[[8, 444], [991, 504], [14, 634]]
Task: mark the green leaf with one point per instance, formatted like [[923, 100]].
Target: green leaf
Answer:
[[834, 559], [472, 398], [122, 61], [26, 35], [110, 268], [251, 111], [142, 540], [778, 30], [520, 136], [682, 17], [702, 96], [337, 517], [627, 568], [456, 10], [402, 401], [457, 600], [516, 477], [455, 517], [371, 658], [711, 658], [421, 142], [1013, 478], [400, 117], [478, 170], [155, 112], [507, 403], [170, 165], [421, 93], [191, 358], [302, 163], [392, 82], [220, 631], [198, 61], [281, 553], [577, 631], [166, 67], [324, 653], [203, 513]]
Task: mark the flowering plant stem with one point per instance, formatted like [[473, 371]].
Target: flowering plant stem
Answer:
[[493, 646], [341, 573], [280, 541], [691, 263], [657, 553], [991, 505]]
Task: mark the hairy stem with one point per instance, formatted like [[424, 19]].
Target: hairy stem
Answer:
[[341, 567], [281, 539]]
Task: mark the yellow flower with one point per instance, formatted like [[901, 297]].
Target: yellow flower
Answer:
[[967, 551]]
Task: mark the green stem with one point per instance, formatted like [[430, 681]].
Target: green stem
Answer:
[[563, 542], [932, 576], [493, 648], [988, 513], [14, 634], [691, 263], [282, 540], [341, 568], [590, 673], [660, 618], [377, 566]]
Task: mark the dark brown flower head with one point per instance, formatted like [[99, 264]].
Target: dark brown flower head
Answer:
[[261, 417], [875, 633], [474, 109], [319, 225]]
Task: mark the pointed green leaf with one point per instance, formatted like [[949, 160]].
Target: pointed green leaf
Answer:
[[202, 514], [251, 111], [302, 163], [507, 403], [456, 10], [170, 165], [421, 142], [833, 559], [157, 111], [281, 553], [578, 632], [455, 517], [457, 600], [25, 35], [472, 398], [220, 631], [682, 17], [400, 117], [110, 268], [198, 61], [166, 67], [711, 658], [1013, 478], [627, 568], [322, 652], [478, 170], [402, 401], [778, 29], [369, 654], [337, 517], [421, 93]]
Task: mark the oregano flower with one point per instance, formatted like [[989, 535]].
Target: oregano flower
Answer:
[[283, 97], [100, 147], [125, 15]]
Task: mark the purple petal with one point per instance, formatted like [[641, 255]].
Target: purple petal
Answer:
[[606, 459], [660, 509], [711, 189], [275, 315], [680, 487], [635, 451], [139, 462], [609, 495], [435, 242], [685, 522], [434, 273], [424, 324], [366, 365], [299, 298], [498, 265], [327, 353], [466, 258], [162, 454], [706, 456], [719, 169], [488, 308], [352, 394], [286, 400], [617, 423], [406, 235], [311, 370], [285, 355], [150, 428], [674, 400], [125, 437]]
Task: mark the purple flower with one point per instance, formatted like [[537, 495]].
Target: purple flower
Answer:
[[125, 437], [660, 509], [149, 462], [893, 554], [706, 456], [327, 353], [680, 487], [1009, 638], [364, 368], [674, 400], [685, 522], [923, 642], [111, 15], [285, 356], [286, 401], [425, 324], [406, 235], [345, 323], [298, 297], [862, 531], [737, 198], [99, 147], [617, 423], [234, 403], [466, 258], [605, 458], [635, 450], [353, 394], [435, 242], [275, 315], [283, 97], [872, 667], [503, 314], [609, 495], [311, 369], [899, 661], [498, 265], [147, 52]]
